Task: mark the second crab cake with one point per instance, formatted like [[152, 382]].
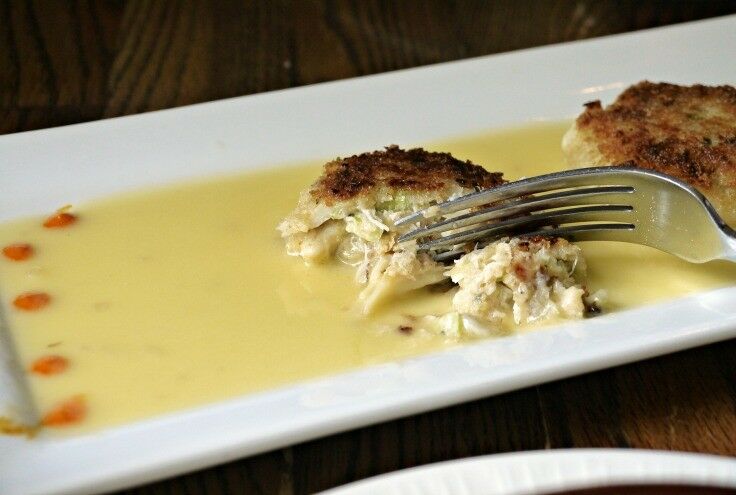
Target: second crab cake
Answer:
[[688, 132]]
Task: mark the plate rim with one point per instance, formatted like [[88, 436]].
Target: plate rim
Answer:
[[602, 458]]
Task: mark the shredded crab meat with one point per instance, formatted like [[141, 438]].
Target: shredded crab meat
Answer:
[[529, 280]]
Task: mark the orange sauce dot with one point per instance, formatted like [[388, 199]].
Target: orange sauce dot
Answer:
[[70, 411], [58, 220], [50, 365], [31, 301], [18, 252]]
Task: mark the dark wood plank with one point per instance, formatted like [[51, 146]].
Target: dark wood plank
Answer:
[[507, 423], [67, 61], [683, 404], [72, 61], [265, 474]]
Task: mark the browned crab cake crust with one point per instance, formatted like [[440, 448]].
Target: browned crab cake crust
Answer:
[[414, 170], [688, 132]]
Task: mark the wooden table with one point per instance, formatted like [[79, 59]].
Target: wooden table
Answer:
[[63, 62]]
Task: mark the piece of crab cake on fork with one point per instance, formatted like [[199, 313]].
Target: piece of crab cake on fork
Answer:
[[517, 281], [349, 214]]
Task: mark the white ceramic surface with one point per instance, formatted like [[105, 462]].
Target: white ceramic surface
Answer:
[[527, 473], [40, 170]]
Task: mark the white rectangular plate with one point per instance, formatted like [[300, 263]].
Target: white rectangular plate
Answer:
[[43, 169]]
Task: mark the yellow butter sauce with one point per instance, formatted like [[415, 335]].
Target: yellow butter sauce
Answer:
[[172, 298]]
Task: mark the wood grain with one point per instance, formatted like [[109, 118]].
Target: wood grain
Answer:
[[64, 62]]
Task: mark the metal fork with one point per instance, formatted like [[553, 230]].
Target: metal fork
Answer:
[[623, 204]]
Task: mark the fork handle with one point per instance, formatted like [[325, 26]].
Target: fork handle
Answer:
[[729, 243]]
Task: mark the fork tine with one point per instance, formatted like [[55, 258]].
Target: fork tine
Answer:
[[590, 195], [619, 213], [559, 180], [575, 233]]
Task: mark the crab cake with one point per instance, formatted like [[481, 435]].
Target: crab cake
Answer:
[[513, 282], [530, 279], [688, 132], [349, 214]]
